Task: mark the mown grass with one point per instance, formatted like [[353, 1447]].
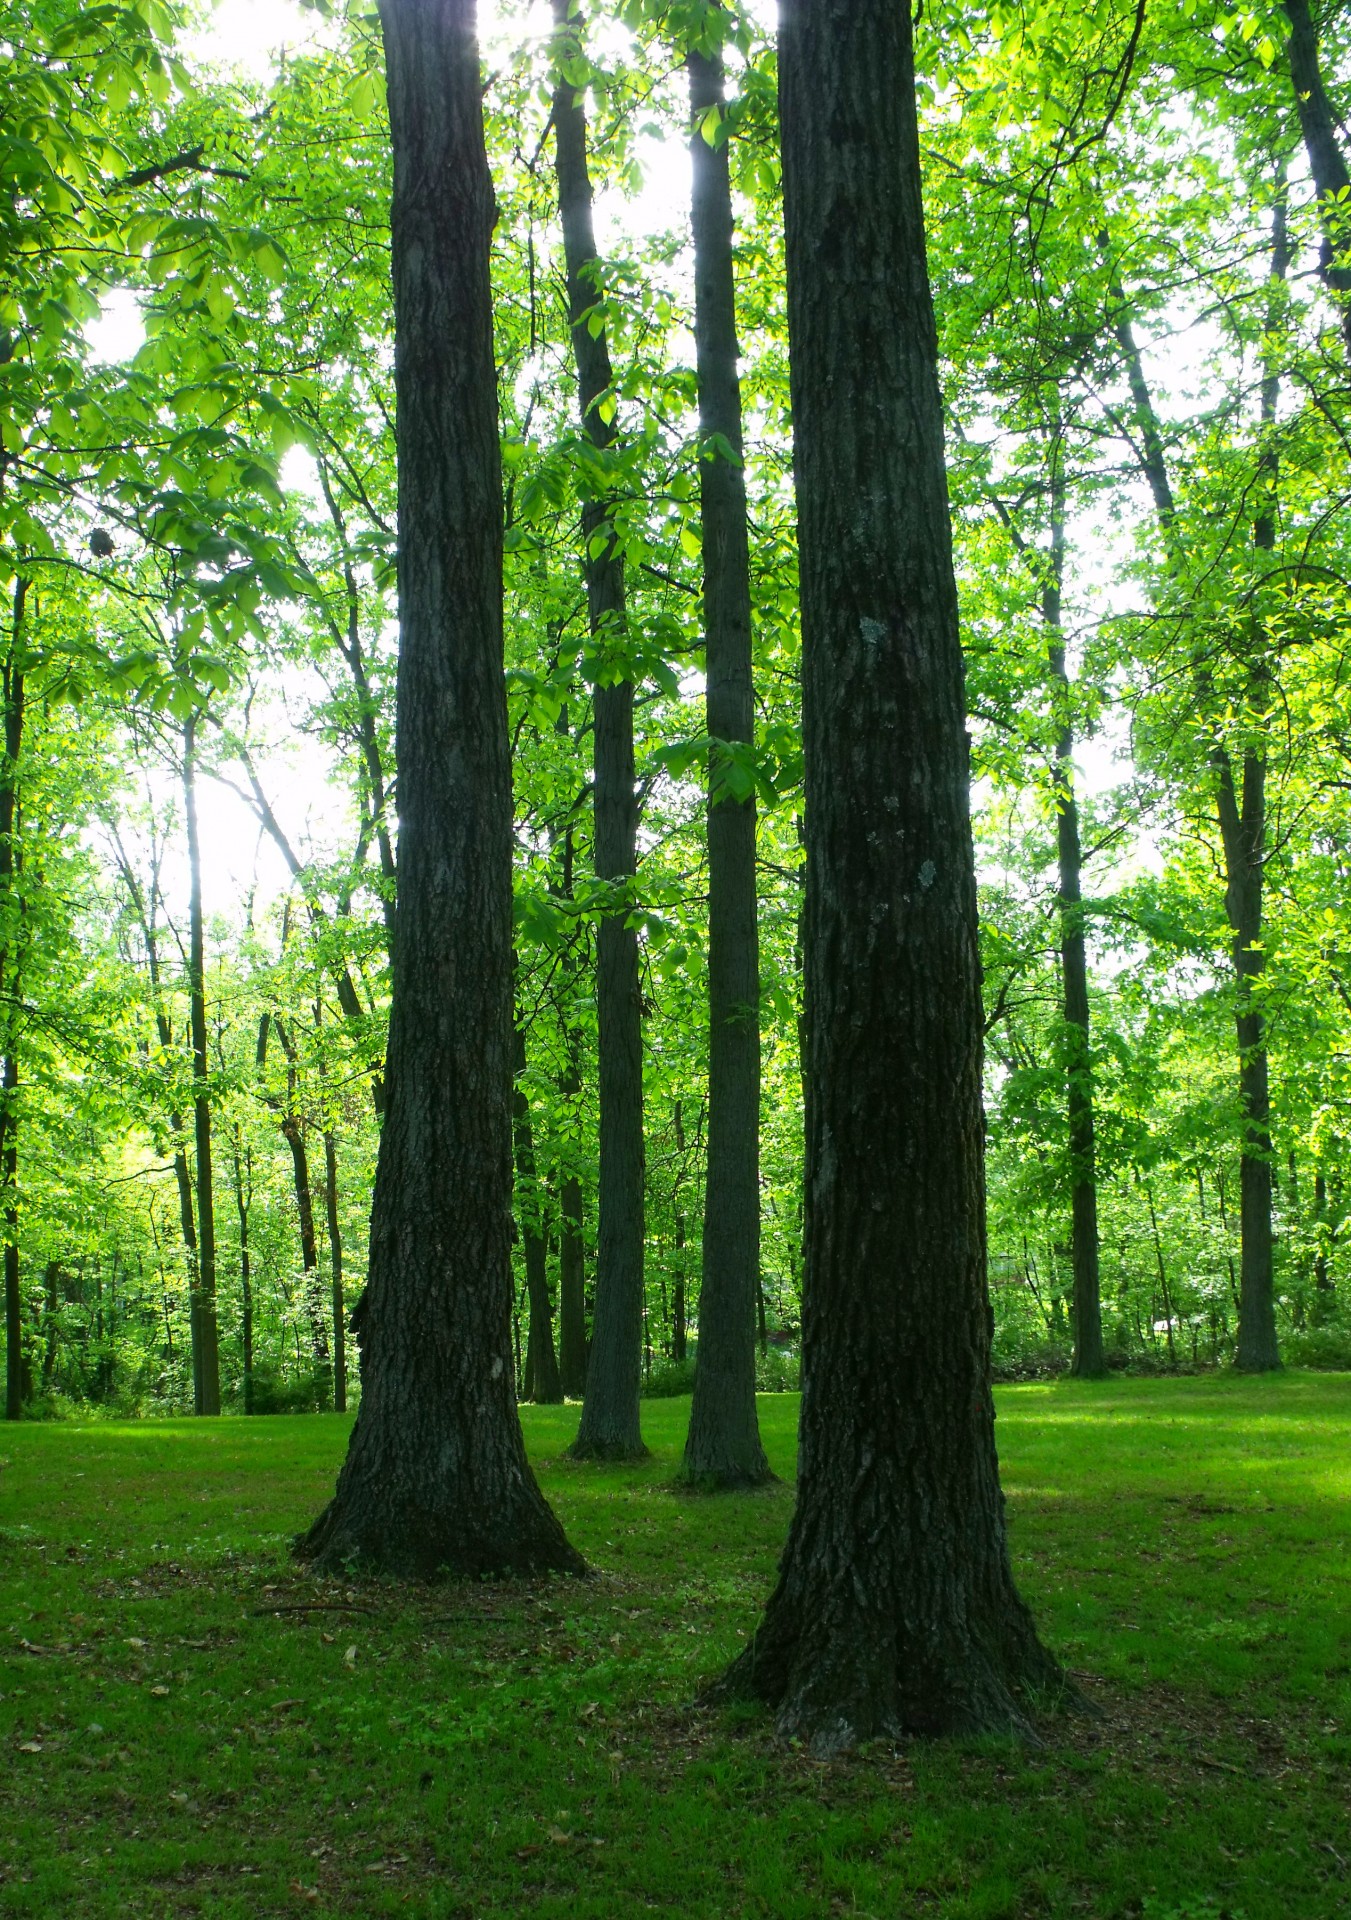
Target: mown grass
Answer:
[[174, 1744]]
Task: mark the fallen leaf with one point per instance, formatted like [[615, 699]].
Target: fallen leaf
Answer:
[[160, 1693], [350, 1657]]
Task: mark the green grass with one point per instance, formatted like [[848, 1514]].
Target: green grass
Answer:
[[172, 1747]]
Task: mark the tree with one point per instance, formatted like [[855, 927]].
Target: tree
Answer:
[[895, 1609], [609, 1427], [723, 1446], [436, 1479]]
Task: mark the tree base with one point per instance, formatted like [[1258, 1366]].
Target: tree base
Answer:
[[729, 1479], [409, 1540], [835, 1687], [611, 1451]]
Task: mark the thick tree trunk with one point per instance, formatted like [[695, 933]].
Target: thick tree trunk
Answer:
[[11, 911], [545, 1386], [436, 1479], [335, 1271], [1327, 163], [895, 1610], [205, 1345], [1087, 1362], [723, 1447], [609, 1427]]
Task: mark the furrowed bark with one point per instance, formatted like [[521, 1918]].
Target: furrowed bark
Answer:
[[609, 1427], [436, 1479], [895, 1610], [723, 1447]]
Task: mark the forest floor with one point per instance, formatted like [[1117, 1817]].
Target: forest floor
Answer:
[[179, 1737]]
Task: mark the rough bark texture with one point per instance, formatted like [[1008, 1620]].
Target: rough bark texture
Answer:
[[1318, 124], [723, 1445], [895, 1610], [609, 1427], [1087, 1362], [544, 1385], [436, 1480], [205, 1336]]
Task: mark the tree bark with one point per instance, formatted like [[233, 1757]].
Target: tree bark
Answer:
[[609, 1427], [205, 1344], [436, 1479], [11, 909], [1327, 163], [545, 1386], [1087, 1362], [895, 1610], [722, 1449]]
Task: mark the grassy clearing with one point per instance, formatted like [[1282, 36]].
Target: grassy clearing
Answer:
[[172, 1746]]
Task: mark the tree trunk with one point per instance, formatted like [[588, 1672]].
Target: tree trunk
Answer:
[[1327, 164], [335, 1271], [205, 1349], [1087, 1362], [11, 909], [723, 1447], [609, 1427], [436, 1479], [895, 1610], [571, 1240], [544, 1385], [1240, 804], [243, 1202], [293, 1132]]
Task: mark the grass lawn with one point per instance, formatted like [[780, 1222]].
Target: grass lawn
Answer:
[[176, 1742]]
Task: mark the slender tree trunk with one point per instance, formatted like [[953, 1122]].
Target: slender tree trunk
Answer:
[[436, 1479], [293, 1132], [50, 1323], [335, 1271], [206, 1357], [10, 943], [243, 1202], [723, 1445], [609, 1428], [1240, 803], [1322, 1279], [544, 1386], [1327, 163], [571, 1241], [895, 1610], [1088, 1361]]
